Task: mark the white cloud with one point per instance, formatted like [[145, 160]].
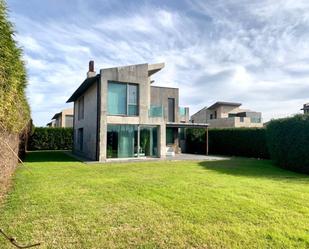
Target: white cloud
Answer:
[[255, 52]]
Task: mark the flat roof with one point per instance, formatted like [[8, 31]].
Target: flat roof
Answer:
[[187, 125], [152, 68], [219, 103]]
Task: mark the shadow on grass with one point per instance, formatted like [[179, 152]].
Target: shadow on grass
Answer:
[[253, 168], [48, 156]]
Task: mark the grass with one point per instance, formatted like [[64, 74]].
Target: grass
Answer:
[[241, 203]]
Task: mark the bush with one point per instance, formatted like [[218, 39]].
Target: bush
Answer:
[[247, 142], [51, 139], [14, 108], [288, 142]]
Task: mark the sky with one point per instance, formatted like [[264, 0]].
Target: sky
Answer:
[[254, 52]]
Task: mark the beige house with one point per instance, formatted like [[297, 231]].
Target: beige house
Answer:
[[62, 119], [227, 115], [306, 108]]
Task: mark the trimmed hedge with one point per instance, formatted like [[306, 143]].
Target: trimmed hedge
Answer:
[[246, 142], [288, 142], [45, 138]]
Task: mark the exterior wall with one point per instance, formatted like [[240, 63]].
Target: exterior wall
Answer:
[[233, 122], [223, 120], [60, 121], [159, 97], [200, 116], [137, 74], [65, 112], [88, 123]]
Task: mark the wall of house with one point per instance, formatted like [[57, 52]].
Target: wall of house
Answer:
[[137, 74], [159, 97], [200, 117], [233, 122], [88, 123]]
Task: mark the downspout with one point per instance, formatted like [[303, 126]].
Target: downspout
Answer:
[[98, 118]]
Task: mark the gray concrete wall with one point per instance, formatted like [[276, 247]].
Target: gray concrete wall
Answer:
[[88, 123], [137, 74], [160, 95]]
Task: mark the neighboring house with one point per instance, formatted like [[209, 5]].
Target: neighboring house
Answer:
[[51, 123], [306, 108], [227, 115], [62, 119], [119, 114]]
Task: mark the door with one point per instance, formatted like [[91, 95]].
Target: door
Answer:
[[171, 110]]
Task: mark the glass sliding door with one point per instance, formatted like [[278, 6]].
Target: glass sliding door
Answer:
[[148, 141], [121, 141]]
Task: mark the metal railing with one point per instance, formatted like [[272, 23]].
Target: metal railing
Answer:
[[155, 111]]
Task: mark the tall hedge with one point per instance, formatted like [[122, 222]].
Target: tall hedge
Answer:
[[288, 142], [247, 142], [51, 139], [14, 109]]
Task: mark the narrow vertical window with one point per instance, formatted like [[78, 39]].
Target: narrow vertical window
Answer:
[[132, 100], [80, 139], [81, 108]]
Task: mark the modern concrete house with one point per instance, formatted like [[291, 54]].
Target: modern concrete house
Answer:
[[119, 114], [62, 119], [306, 108], [227, 115]]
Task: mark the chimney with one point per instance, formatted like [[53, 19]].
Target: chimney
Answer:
[[91, 72]]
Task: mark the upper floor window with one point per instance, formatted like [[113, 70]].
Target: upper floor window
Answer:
[[81, 108], [122, 99]]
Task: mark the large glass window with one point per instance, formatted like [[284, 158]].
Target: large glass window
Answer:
[[122, 141], [122, 99], [148, 141]]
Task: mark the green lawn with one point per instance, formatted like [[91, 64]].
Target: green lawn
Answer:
[[241, 203]]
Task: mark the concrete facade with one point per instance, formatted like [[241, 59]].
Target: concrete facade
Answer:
[[62, 119], [227, 115], [94, 91]]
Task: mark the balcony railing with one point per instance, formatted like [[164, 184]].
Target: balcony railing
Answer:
[[182, 111], [155, 111]]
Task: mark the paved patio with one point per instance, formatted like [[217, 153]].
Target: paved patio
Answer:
[[177, 157]]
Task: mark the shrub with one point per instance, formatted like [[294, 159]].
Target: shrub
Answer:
[[247, 142], [51, 139], [288, 142]]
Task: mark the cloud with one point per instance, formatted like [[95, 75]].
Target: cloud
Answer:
[[254, 52]]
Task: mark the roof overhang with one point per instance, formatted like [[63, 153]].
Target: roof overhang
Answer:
[[187, 125], [56, 115], [219, 103], [154, 68], [82, 88]]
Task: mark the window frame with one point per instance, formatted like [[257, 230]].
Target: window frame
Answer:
[[81, 108], [128, 104]]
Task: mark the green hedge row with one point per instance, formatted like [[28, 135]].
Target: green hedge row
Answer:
[[247, 142], [288, 142], [14, 108], [51, 139]]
